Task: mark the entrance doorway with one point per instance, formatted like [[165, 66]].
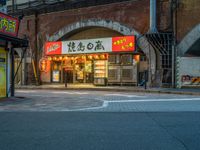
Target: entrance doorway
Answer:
[[67, 75], [83, 68]]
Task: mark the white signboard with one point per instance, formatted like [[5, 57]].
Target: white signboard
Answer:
[[87, 46]]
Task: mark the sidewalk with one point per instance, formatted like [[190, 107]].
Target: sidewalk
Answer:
[[185, 91]]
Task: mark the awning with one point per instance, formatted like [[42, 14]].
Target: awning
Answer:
[[16, 42]]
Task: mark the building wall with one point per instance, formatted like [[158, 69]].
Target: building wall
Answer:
[[187, 17], [92, 33], [133, 14]]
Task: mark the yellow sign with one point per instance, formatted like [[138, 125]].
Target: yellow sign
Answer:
[[3, 63]]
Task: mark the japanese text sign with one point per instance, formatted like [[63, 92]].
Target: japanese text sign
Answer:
[[87, 46], [8, 25], [101, 45], [123, 44]]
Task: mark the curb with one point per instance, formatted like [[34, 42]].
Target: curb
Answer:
[[114, 90]]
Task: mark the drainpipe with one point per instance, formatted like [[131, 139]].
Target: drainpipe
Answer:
[[12, 73], [36, 46], [174, 3], [153, 28]]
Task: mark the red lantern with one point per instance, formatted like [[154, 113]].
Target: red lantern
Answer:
[[43, 65]]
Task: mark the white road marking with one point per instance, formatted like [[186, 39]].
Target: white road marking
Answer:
[[82, 109], [125, 95], [26, 91], [106, 102], [45, 96], [154, 100], [62, 92], [80, 93], [40, 104], [55, 92], [66, 92]]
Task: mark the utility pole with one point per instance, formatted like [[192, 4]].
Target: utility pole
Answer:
[[174, 5]]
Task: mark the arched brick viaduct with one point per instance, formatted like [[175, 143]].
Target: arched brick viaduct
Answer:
[[127, 18]]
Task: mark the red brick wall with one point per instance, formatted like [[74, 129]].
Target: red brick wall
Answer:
[[27, 27], [133, 14]]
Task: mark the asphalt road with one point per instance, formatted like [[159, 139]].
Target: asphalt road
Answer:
[[71, 120]]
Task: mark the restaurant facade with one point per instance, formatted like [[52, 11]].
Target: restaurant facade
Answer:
[[99, 61]]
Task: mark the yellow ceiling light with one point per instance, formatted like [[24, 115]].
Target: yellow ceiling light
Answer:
[[96, 57], [65, 57], [49, 58], [90, 56], [102, 56]]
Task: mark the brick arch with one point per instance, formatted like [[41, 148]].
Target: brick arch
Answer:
[[189, 40], [124, 30]]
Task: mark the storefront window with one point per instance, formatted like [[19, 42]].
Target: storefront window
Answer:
[[126, 59]]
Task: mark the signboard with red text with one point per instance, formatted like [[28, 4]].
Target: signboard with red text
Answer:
[[101, 45]]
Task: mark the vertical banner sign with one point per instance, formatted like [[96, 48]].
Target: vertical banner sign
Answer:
[[3, 62]]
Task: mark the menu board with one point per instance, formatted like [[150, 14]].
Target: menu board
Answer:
[[56, 76]]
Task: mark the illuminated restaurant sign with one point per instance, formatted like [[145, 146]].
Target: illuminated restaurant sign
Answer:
[[53, 48], [8, 25], [123, 44], [87, 46], [101, 45]]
